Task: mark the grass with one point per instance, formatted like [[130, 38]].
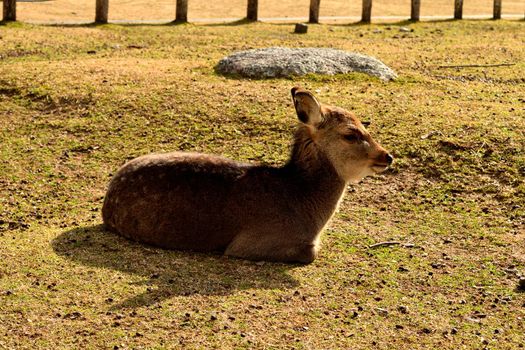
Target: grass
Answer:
[[76, 102]]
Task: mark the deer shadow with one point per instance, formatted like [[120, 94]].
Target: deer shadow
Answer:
[[168, 273]]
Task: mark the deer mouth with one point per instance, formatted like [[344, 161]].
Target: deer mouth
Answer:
[[379, 167], [381, 164]]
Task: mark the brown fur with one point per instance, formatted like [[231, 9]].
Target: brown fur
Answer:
[[208, 203]]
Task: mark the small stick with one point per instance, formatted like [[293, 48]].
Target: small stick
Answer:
[[384, 244], [390, 243], [479, 65]]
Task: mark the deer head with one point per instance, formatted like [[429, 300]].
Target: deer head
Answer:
[[342, 138]]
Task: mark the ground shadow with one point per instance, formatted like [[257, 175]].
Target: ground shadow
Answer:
[[168, 273], [234, 23], [244, 21], [152, 23], [113, 24], [400, 23]]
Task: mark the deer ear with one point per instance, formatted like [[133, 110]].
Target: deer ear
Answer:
[[307, 107]]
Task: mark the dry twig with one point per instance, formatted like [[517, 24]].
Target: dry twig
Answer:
[[390, 243], [479, 65]]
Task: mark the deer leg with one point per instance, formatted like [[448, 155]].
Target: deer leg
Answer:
[[247, 247]]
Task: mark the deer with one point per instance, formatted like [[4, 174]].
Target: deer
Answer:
[[208, 203]]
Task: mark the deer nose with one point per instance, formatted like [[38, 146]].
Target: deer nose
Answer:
[[389, 158]]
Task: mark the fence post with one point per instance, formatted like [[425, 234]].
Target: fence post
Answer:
[[314, 11], [9, 10], [251, 13], [497, 9], [414, 10], [458, 9], [366, 15], [101, 11], [182, 11]]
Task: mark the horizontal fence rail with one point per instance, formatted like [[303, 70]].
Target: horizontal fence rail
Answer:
[[181, 10]]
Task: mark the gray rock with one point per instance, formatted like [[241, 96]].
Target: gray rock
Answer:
[[285, 62]]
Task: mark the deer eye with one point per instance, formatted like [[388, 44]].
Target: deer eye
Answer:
[[351, 137]]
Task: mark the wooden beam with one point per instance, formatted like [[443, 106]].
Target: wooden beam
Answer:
[[366, 15], [314, 11], [182, 11], [9, 13], [252, 11], [414, 10], [458, 9], [101, 11], [497, 9]]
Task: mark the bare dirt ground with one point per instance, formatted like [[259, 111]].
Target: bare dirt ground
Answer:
[[83, 10]]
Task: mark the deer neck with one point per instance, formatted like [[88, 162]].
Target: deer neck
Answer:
[[317, 182]]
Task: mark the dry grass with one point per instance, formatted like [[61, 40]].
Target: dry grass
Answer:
[[76, 102], [74, 10]]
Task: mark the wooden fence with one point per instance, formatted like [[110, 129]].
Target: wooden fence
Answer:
[[181, 13]]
